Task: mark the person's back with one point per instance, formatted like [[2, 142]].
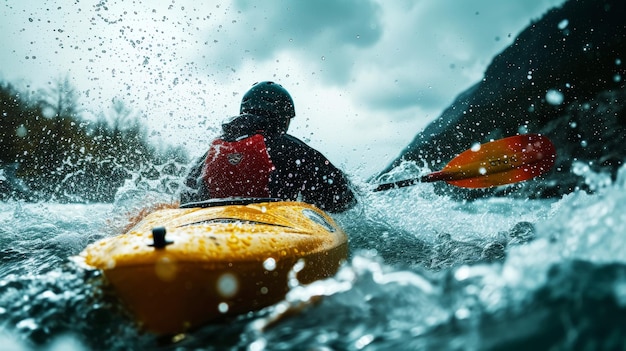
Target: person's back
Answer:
[[255, 157]]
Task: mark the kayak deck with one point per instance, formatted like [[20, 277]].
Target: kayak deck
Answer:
[[216, 261]]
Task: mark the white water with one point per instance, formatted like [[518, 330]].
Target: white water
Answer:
[[418, 262]]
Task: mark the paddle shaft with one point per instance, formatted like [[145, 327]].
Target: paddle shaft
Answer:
[[428, 178]]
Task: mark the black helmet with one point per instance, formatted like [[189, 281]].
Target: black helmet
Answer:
[[271, 101]]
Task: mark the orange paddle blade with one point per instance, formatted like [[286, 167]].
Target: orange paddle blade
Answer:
[[504, 161]]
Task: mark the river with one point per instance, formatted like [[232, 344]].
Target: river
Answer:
[[425, 272]]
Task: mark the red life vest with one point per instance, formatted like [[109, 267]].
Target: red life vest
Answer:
[[238, 169]]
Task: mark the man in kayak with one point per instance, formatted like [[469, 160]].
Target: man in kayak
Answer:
[[255, 157]]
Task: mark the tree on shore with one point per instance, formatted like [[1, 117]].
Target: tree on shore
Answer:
[[59, 155]]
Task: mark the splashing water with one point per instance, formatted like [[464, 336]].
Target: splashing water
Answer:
[[425, 272]]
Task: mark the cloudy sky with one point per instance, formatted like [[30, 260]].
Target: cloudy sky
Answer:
[[366, 75]]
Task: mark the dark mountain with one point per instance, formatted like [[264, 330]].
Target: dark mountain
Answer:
[[564, 77]]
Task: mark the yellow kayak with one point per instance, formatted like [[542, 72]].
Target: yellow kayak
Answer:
[[180, 268]]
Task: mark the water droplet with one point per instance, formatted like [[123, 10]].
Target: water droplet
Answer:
[[554, 97], [21, 131], [227, 285], [222, 307], [269, 264]]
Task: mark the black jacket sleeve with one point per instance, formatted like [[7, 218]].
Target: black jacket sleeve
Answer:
[[194, 188], [304, 174]]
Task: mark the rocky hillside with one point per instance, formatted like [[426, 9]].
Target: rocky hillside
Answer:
[[564, 77]]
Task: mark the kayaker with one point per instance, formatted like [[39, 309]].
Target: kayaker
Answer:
[[255, 157]]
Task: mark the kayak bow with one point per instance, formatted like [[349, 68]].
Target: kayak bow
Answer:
[[180, 268]]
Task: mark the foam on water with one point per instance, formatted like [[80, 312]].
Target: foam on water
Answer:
[[425, 271]]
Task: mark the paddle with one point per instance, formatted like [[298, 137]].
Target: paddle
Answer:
[[504, 161]]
